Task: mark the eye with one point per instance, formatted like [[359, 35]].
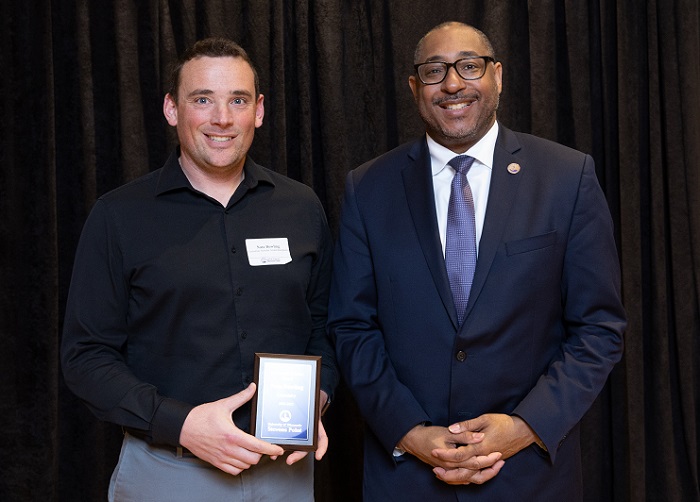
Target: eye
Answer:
[[202, 100], [239, 101], [435, 70]]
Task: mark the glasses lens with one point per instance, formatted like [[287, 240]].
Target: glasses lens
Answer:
[[432, 73], [471, 68]]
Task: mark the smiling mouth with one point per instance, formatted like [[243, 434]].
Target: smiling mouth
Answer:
[[455, 103], [457, 106], [219, 139]]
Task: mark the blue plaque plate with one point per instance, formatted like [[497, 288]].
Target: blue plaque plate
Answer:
[[285, 406]]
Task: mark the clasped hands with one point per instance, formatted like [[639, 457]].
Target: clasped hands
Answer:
[[209, 433], [473, 451]]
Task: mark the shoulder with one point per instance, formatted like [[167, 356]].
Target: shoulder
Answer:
[[142, 187], [285, 188], [540, 149], [284, 193], [168, 177], [390, 164]]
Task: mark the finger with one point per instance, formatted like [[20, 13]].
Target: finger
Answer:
[[474, 462], [461, 476], [467, 437], [295, 457], [322, 441], [235, 456], [229, 469], [475, 424], [234, 467], [239, 399], [258, 446], [455, 455]]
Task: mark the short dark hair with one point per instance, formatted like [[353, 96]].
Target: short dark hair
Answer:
[[213, 47]]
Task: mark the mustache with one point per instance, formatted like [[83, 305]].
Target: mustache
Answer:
[[456, 97]]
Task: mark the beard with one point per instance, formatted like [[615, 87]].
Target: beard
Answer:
[[463, 132]]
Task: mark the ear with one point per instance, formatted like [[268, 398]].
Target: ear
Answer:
[[170, 109], [259, 110], [498, 72], [413, 84]]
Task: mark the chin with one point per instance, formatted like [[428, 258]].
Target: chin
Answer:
[[460, 137]]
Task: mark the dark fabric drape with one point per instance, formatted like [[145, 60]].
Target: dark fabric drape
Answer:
[[80, 99]]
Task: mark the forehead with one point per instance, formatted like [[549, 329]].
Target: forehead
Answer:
[[452, 42], [217, 74]]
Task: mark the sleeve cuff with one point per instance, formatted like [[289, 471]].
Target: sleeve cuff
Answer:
[[168, 420]]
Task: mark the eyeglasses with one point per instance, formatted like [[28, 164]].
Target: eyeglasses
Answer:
[[471, 68]]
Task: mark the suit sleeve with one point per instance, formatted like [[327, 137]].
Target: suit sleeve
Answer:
[[594, 321], [388, 406]]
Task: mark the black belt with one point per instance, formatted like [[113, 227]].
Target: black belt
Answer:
[[179, 451]]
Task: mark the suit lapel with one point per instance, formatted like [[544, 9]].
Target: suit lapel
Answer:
[[418, 185], [502, 191]]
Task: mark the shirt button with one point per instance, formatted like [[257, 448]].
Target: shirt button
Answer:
[[239, 291], [461, 356], [244, 335], [233, 249]]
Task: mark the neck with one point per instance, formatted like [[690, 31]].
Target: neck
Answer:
[[219, 185]]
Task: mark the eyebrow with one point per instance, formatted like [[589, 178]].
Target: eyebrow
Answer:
[[209, 92]]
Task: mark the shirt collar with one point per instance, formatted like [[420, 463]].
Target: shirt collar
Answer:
[[482, 151]]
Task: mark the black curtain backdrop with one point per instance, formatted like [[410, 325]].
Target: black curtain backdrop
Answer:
[[82, 88]]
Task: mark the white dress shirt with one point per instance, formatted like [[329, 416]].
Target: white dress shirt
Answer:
[[479, 177]]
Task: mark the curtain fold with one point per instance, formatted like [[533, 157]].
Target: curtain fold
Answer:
[[81, 95]]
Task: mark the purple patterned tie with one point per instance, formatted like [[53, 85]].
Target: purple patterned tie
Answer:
[[460, 245]]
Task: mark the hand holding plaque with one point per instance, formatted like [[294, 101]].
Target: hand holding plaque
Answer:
[[286, 404]]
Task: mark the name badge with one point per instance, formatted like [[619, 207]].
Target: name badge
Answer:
[[268, 251]]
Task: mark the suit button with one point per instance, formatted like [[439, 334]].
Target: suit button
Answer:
[[461, 356]]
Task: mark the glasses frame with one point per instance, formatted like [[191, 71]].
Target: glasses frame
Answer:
[[486, 59]]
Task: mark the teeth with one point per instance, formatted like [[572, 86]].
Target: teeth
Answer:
[[457, 106], [220, 139]]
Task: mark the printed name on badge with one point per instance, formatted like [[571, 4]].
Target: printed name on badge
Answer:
[[268, 251]]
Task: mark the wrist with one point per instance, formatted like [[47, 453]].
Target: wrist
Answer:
[[403, 446], [526, 433]]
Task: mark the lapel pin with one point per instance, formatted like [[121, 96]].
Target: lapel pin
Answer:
[[513, 168]]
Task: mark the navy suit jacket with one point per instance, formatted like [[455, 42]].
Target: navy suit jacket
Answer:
[[542, 331]]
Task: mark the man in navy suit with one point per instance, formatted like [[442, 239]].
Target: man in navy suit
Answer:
[[483, 401]]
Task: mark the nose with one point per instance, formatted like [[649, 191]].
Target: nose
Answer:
[[222, 115], [453, 82]]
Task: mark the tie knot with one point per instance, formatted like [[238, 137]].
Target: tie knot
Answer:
[[461, 163]]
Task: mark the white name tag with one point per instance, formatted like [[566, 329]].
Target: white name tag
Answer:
[[268, 251]]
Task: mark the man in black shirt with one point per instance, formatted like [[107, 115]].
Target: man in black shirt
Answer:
[[168, 304]]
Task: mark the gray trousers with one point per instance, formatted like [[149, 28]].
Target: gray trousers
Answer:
[[148, 473]]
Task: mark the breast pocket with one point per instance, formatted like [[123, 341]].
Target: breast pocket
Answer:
[[531, 243]]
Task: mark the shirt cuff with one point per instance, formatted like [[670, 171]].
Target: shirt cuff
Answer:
[[168, 420]]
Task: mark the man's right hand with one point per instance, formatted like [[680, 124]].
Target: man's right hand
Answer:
[[209, 433]]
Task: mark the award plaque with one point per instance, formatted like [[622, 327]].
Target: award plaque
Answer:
[[285, 406]]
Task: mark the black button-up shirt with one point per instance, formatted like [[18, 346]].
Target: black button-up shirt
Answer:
[[165, 311]]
